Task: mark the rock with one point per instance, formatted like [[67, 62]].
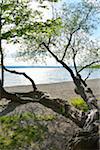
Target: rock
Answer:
[[61, 133], [59, 128]]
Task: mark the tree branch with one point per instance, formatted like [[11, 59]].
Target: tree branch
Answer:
[[74, 62], [71, 34], [58, 105], [94, 62], [62, 107], [22, 73], [88, 75], [69, 41], [60, 61]]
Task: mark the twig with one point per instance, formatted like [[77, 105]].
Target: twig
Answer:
[[88, 75]]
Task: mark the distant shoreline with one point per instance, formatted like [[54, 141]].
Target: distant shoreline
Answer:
[[33, 67], [38, 66], [64, 90]]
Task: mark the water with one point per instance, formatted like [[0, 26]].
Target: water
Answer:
[[42, 75]]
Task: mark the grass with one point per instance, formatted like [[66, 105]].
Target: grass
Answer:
[[80, 104], [23, 131]]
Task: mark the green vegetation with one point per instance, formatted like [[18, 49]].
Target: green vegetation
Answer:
[[22, 131], [80, 104], [95, 66]]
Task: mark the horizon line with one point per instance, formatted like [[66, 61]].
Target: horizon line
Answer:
[[34, 66]]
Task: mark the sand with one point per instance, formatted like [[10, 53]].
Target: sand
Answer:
[[64, 90]]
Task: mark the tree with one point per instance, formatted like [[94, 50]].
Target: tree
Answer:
[[14, 22], [76, 43], [68, 37]]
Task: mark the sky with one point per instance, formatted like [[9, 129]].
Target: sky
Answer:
[[10, 55]]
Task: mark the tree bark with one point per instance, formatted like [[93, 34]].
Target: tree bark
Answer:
[[86, 93], [1, 53], [58, 105], [2, 70]]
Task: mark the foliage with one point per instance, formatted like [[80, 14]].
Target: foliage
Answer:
[[40, 32], [15, 18], [20, 131], [75, 20], [18, 19], [80, 104], [96, 66]]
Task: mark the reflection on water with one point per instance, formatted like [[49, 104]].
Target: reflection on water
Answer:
[[45, 75]]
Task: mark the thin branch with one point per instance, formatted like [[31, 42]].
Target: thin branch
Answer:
[[82, 21], [74, 61], [69, 41], [71, 34], [24, 74], [94, 62], [49, 41], [88, 76]]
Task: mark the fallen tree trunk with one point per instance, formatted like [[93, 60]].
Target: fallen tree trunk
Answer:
[[60, 106], [87, 122]]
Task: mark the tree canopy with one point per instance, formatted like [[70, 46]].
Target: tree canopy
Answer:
[[69, 35]]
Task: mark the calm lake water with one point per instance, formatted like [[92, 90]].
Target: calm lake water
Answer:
[[43, 75]]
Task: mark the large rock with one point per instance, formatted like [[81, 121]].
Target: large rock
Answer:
[[61, 133]]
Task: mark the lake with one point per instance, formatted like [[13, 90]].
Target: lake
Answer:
[[43, 75]]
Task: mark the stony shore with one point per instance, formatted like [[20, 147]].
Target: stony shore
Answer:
[[64, 90]]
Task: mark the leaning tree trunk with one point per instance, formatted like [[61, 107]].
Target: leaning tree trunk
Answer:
[[85, 92], [2, 58], [89, 119], [2, 70], [92, 116]]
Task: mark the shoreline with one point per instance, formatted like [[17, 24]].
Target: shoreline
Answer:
[[63, 90]]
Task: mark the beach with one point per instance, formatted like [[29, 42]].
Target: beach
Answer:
[[63, 90]]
